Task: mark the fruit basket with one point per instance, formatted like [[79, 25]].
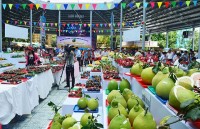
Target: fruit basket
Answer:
[[96, 69], [111, 76], [85, 75], [91, 85], [80, 85], [76, 94], [96, 78]]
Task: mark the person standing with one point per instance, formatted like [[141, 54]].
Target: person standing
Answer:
[[69, 58], [31, 57], [78, 57]]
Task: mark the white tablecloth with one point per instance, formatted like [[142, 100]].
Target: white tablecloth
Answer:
[[22, 98]]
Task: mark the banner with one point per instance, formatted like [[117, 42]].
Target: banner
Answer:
[[76, 41]]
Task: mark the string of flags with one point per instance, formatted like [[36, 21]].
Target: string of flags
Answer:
[[99, 25], [93, 6]]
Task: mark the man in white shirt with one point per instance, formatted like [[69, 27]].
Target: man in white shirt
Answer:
[[78, 56], [181, 65], [170, 55]]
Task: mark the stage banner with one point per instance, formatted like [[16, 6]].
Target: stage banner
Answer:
[[76, 41]]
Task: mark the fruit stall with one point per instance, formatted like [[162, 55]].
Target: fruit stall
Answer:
[[148, 106]]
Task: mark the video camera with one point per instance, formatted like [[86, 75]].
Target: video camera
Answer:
[[69, 48]]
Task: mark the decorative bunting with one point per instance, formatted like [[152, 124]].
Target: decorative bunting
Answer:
[[123, 5], [159, 4], [37, 6], [7, 21], [31, 6], [51, 6], [65, 6], [72, 6], [16, 22], [195, 2], [97, 25], [146, 4], [93, 25], [102, 6], [47, 24], [51, 24], [167, 4], [188, 3], [109, 5], [17, 6], [109, 24], [25, 22], [105, 25], [44, 6], [180, 3], [101, 25], [58, 6], [94, 6], [80, 6], [10, 6], [89, 25], [56, 24], [4, 6], [80, 25], [118, 24], [131, 5], [87, 6], [173, 3], [20, 22], [138, 4], [152, 4], [116, 5], [24, 6], [123, 24], [34, 23], [85, 25]]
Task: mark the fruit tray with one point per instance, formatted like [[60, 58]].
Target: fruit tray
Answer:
[[141, 82], [49, 126], [77, 109], [161, 100], [88, 91], [152, 90], [107, 104]]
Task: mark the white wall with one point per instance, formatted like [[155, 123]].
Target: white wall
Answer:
[[16, 32]]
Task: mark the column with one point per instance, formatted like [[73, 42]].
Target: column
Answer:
[[59, 19], [121, 15], [193, 36], [111, 30], [1, 26], [167, 40], [31, 27], [199, 46], [144, 26], [91, 26]]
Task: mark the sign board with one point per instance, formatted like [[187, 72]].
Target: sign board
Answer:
[[132, 35], [76, 41], [15, 32]]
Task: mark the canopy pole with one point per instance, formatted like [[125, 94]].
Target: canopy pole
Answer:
[[31, 27], [111, 31], [144, 26], [91, 26], [59, 19], [0, 25], [199, 46], [167, 40], [121, 15], [193, 36]]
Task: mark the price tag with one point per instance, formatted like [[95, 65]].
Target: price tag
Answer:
[[146, 98]]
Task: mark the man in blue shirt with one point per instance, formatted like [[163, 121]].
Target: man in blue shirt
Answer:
[[78, 56]]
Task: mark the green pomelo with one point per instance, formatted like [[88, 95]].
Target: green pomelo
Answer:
[[93, 104], [191, 71], [133, 101], [178, 95], [134, 112], [147, 75], [164, 87], [144, 121], [115, 109], [68, 122], [56, 125], [112, 85], [127, 93], [158, 77], [136, 69], [186, 82], [124, 84], [57, 118], [82, 103], [112, 95], [120, 99], [120, 122], [179, 72], [84, 119]]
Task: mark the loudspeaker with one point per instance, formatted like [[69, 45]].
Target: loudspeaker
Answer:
[[185, 34]]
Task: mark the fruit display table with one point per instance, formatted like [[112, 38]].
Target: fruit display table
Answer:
[[6, 68], [22, 98], [96, 74], [160, 110], [57, 76], [123, 70], [105, 83]]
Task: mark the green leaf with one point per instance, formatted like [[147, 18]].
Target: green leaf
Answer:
[[51, 104], [86, 110], [87, 96], [99, 125], [186, 103], [193, 114], [173, 77]]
